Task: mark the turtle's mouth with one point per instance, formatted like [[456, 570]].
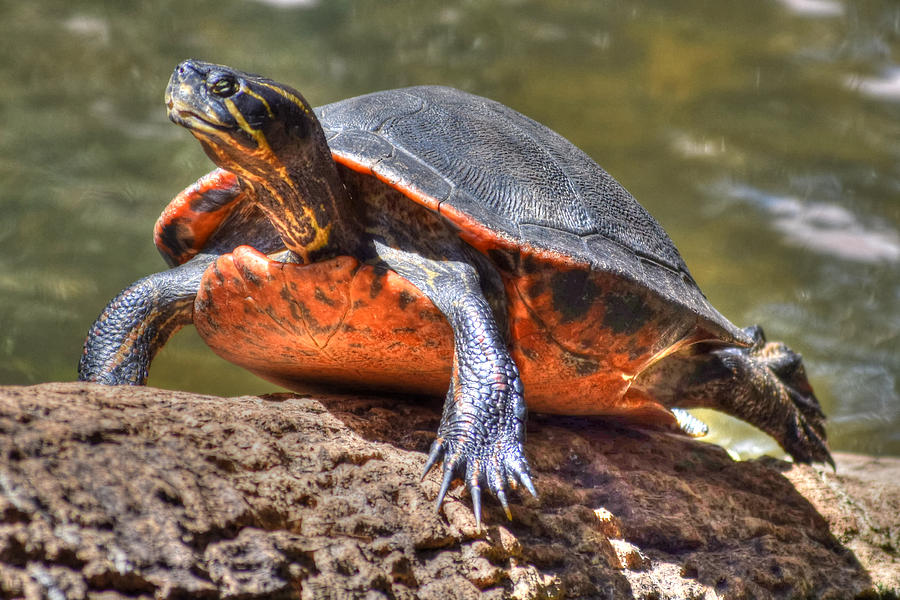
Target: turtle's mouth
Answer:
[[184, 113], [194, 121], [187, 118]]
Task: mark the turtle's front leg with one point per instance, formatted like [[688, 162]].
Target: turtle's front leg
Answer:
[[135, 324], [482, 430]]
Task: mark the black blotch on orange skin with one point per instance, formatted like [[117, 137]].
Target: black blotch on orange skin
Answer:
[[405, 299], [220, 277], [212, 199], [625, 313], [503, 260], [322, 297], [308, 317], [176, 237], [203, 304], [572, 293], [377, 285], [530, 264], [298, 313], [536, 288], [252, 278]]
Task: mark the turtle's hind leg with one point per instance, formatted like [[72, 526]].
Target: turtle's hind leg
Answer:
[[764, 384]]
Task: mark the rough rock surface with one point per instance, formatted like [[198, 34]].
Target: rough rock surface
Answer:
[[142, 493]]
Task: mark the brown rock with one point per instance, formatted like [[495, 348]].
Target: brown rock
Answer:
[[143, 493]]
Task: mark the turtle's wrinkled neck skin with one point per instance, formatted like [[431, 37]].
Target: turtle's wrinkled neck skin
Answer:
[[267, 135]]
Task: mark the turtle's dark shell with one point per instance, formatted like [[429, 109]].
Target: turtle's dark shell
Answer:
[[501, 176]]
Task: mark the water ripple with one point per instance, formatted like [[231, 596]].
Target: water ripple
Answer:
[[823, 227], [814, 8], [885, 87]]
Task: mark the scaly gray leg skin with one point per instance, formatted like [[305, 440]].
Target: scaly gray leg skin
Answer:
[[765, 385], [482, 429], [138, 322]]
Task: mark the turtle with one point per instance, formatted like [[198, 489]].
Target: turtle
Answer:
[[432, 241]]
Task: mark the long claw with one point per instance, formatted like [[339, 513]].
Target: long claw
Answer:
[[806, 402], [819, 452], [518, 473], [481, 434], [501, 496], [445, 485], [433, 455], [475, 492], [525, 478]]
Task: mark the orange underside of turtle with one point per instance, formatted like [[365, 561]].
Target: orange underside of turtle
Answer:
[[339, 322]]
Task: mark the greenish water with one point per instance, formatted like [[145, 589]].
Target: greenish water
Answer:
[[764, 136]]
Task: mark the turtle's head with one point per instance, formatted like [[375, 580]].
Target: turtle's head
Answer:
[[267, 134], [247, 124]]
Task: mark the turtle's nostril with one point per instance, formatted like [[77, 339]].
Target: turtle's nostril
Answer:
[[187, 69]]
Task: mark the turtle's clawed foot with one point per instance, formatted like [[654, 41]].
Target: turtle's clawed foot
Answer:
[[804, 438], [494, 472], [795, 417], [485, 455], [806, 442]]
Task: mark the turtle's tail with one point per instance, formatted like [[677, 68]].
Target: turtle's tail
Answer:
[[765, 385]]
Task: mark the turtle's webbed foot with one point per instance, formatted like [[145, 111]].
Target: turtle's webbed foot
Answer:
[[768, 388], [805, 441], [481, 440], [804, 437]]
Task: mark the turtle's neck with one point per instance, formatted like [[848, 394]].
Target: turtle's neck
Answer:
[[304, 198]]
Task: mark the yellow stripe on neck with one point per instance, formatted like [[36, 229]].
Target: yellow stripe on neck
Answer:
[[287, 95], [285, 220]]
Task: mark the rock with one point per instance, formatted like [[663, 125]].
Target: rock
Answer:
[[144, 493]]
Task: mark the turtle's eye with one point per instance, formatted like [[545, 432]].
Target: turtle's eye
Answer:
[[223, 86]]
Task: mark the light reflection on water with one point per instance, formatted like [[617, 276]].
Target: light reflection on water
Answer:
[[815, 8], [884, 87], [822, 227], [764, 136]]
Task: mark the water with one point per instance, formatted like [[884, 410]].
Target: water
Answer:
[[765, 136]]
